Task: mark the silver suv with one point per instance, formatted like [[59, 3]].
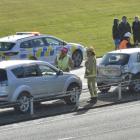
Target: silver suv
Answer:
[[120, 66], [21, 79]]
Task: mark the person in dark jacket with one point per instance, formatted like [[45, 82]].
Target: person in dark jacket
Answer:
[[124, 27], [136, 30], [115, 33]]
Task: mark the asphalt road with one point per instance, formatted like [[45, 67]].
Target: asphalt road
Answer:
[[118, 122]]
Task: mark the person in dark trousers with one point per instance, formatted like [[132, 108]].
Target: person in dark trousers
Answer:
[[124, 27], [115, 33], [136, 30]]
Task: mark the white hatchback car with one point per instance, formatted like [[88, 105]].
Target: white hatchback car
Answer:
[[120, 66], [21, 79], [44, 47]]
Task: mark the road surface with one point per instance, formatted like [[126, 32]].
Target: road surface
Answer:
[[120, 122]]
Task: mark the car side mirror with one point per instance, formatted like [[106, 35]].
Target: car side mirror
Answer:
[[60, 72]]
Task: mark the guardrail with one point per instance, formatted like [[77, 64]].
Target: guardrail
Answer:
[[76, 94]]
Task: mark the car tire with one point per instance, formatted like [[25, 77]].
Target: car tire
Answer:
[[77, 58], [23, 103], [103, 88], [135, 83], [71, 99]]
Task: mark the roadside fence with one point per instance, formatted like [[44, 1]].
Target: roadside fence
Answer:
[[75, 94]]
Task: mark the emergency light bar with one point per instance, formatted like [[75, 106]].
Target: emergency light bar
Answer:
[[26, 33]]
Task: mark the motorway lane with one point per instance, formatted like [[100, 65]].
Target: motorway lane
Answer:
[[120, 122]]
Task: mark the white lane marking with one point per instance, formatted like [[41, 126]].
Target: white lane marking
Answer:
[[66, 138]]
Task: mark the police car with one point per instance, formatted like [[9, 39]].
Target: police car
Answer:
[[44, 47]]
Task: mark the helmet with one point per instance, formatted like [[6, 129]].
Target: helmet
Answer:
[[91, 49], [128, 34]]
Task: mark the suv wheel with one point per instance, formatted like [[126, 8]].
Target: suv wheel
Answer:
[[23, 103], [134, 88], [77, 58], [135, 83], [103, 88], [71, 99]]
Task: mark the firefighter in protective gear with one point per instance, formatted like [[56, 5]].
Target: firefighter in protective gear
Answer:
[[90, 74], [63, 61]]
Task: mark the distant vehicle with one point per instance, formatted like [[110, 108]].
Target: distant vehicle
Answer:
[[120, 66], [21, 79], [44, 47]]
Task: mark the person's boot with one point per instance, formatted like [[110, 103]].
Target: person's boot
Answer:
[[93, 100]]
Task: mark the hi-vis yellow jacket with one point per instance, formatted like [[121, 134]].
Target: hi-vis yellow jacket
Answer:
[[91, 69]]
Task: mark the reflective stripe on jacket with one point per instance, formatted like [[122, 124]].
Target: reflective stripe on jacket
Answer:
[[90, 67]]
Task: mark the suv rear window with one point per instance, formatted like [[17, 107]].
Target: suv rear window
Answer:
[[115, 59], [3, 75], [6, 46]]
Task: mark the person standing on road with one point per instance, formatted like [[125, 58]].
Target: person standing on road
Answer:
[[124, 27], [90, 74], [136, 30], [115, 33], [64, 61]]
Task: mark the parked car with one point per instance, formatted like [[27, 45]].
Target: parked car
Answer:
[[22, 79], [44, 47], [120, 66]]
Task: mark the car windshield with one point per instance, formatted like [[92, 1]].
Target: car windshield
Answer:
[[115, 59], [6, 46]]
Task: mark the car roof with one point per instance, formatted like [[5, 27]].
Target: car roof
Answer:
[[14, 63], [126, 51], [14, 38]]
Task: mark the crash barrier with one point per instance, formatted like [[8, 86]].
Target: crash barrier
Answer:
[[120, 85], [75, 94]]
